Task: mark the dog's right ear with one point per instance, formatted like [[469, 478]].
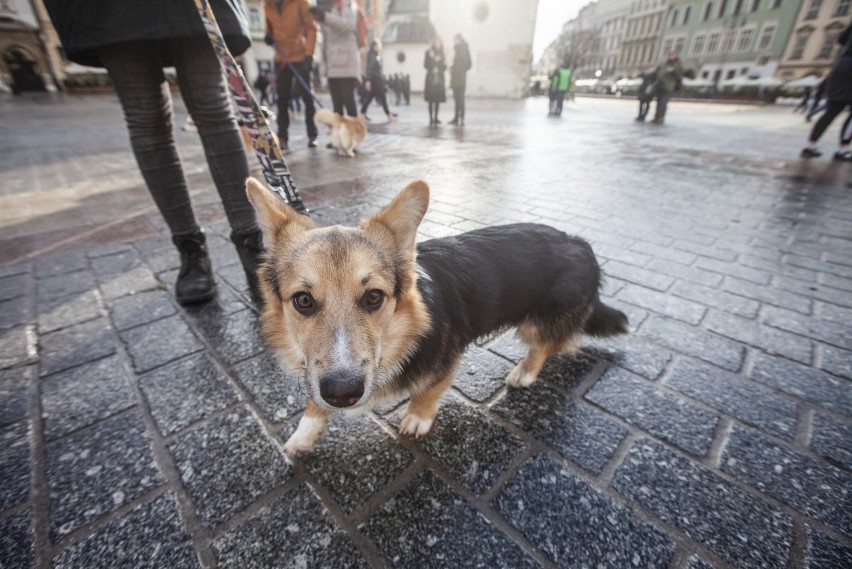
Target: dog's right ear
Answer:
[[273, 215]]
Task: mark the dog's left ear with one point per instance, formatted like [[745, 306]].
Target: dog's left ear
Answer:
[[403, 215], [273, 215]]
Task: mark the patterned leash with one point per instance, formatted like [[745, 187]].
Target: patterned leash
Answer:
[[266, 149]]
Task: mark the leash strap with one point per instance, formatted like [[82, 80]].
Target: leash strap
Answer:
[[277, 175]]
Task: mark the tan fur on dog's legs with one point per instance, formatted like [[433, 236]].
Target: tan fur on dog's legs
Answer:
[[526, 372], [421, 410], [311, 428]]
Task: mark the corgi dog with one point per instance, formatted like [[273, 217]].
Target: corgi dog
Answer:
[[363, 313], [345, 132]]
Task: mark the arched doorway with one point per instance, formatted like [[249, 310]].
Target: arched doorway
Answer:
[[23, 69]]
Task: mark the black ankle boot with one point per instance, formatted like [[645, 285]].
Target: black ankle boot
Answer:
[[195, 280], [252, 252]]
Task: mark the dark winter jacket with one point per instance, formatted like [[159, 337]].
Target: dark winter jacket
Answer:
[[86, 25], [461, 65], [839, 87]]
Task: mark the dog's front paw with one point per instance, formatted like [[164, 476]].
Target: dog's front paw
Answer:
[[519, 377], [310, 430], [414, 426]]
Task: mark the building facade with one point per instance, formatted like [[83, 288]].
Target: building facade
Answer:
[[610, 21], [643, 37], [723, 39], [30, 56], [813, 43]]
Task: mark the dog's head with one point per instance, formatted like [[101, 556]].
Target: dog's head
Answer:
[[341, 303]]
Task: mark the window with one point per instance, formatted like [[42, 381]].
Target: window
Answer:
[[799, 48], [707, 10], [738, 7], [686, 12], [254, 18], [746, 37], [722, 7], [673, 22], [698, 44], [705, 74], [842, 8], [776, 4], [755, 6], [731, 74], [713, 42], [678, 47], [762, 60], [813, 10], [827, 45], [744, 71], [667, 46], [728, 44], [766, 37]]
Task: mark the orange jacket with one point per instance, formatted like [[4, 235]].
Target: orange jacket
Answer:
[[292, 25]]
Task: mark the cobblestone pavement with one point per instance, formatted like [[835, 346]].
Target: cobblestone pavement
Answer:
[[136, 433]]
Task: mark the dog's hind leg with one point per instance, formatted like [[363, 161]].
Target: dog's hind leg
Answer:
[[526, 372], [311, 428], [421, 410]]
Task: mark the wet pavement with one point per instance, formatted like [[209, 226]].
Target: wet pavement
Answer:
[[137, 433]]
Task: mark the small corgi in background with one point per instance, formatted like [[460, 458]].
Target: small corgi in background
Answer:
[[346, 132]]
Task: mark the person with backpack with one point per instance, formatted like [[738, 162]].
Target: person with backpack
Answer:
[[290, 29], [341, 41], [458, 76]]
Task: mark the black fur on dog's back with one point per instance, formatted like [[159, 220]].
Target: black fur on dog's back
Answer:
[[499, 277]]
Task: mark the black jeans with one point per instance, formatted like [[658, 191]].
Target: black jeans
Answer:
[[377, 91], [833, 109], [284, 84], [663, 98], [136, 70], [458, 98], [342, 91]]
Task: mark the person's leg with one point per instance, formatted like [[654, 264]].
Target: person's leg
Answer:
[[381, 97], [662, 106], [305, 91], [833, 108], [368, 98], [137, 76], [335, 90], [843, 151], [437, 120], [348, 96], [204, 90], [461, 104], [205, 94], [284, 85]]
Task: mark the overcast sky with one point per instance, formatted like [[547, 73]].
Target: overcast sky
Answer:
[[551, 15]]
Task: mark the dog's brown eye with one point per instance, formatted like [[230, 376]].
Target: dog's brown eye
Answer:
[[304, 303], [373, 299]]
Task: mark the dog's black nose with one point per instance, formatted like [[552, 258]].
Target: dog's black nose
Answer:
[[342, 388]]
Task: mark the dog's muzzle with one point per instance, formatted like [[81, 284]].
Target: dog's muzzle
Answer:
[[342, 388]]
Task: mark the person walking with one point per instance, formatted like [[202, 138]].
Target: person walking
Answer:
[[646, 93], [291, 31], [406, 88], [669, 76], [134, 46], [458, 76], [560, 82], [374, 81], [339, 24], [262, 85], [838, 92], [434, 90]]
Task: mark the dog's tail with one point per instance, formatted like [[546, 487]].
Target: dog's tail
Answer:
[[606, 321]]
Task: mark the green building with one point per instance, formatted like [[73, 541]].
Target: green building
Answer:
[[724, 39]]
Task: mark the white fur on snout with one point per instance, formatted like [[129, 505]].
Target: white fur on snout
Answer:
[[341, 355], [309, 431]]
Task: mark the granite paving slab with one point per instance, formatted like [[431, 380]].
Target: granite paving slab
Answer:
[[94, 472], [185, 391], [428, 524], [14, 312], [141, 308], [57, 287], [67, 311], [74, 346], [226, 464], [16, 540], [13, 346], [578, 432], [639, 402], [279, 395], [152, 345], [826, 553], [81, 396], [293, 531], [695, 342], [14, 286], [14, 395], [818, 490], [150, 535], [576, 524], [480, 374], [469, 444], [737, 526], [804, 382], [567, 372], [234, 338], [832, 439], [14, 465], [633, 353], [355, 459]]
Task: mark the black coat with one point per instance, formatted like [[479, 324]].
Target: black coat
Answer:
[[85, 25], [434, 90], [840, 81], [461, 65]]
